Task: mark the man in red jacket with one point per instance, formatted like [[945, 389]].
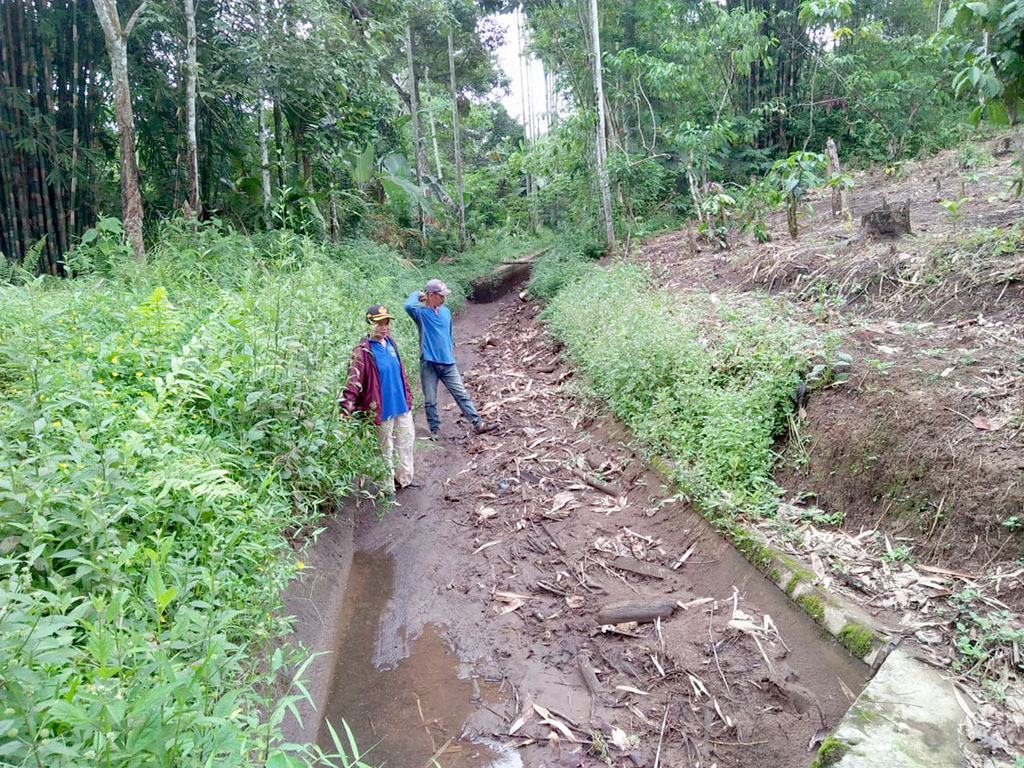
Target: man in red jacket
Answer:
[[377, 386]]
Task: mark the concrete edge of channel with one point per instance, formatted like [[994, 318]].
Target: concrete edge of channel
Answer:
[[315, 600], [908, 715]]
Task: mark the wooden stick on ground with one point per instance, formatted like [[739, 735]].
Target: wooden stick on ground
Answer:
[[609, 488], [634, 610], [551, 536], [438, 753], [590, 677], [661, 736]]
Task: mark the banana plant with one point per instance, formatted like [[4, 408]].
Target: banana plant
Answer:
[[395, 177]]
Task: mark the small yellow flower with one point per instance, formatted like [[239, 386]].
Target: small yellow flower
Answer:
[[62, 465], [42, 397], [300, 565], [138, 374], [56, 423], [114, 374], [114, 359]]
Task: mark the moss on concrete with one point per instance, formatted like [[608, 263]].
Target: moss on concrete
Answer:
[[759, 555], [829, 753], [791, 585], [813, 607], [856, 639]]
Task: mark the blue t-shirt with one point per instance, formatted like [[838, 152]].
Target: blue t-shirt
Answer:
[[436, 344], [392, 388]]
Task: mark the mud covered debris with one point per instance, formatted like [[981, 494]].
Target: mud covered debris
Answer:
[[633, 633]]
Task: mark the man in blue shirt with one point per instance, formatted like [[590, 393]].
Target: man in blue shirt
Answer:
[[437, 356], [377, 386]]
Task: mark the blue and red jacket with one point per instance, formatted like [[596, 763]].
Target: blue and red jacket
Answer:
[[362, 391]]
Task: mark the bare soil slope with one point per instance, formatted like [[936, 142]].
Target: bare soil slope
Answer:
[[924, 440]]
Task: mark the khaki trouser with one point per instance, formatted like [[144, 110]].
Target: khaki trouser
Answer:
[[397, 438]]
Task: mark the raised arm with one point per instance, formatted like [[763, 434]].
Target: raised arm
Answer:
[[412, 306]]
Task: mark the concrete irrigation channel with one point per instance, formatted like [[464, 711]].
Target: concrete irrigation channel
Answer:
[[544, 600]]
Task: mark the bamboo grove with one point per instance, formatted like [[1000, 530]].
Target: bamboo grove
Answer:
[[51, 102]]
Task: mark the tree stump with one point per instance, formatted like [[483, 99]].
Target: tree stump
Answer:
[[888, 220], [838, 193]]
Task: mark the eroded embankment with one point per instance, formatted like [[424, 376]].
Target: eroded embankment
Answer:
[[529, 574]]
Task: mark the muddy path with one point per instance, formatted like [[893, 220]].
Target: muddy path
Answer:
[[486, 618]]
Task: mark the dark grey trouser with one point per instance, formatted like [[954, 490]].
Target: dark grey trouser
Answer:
[[430, 375]]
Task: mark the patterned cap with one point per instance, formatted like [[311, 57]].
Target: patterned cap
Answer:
[[377, 313]]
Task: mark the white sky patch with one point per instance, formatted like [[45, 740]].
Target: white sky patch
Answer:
[[528, 70]]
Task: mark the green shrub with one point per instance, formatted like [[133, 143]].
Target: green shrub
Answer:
[[707, 388], [555, 269], [163, 426]]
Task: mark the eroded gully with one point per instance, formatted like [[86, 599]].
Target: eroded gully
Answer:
[[464, 625]]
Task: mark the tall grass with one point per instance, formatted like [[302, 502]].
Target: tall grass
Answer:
[[163, 427], [704, 386]]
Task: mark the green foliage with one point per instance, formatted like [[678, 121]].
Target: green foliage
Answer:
[[101, 248], [794, 175], [564, 264], [987, 44], [639, 182], [163, 430], [753, 204], [706, 387], [984, 635], [954, 209]]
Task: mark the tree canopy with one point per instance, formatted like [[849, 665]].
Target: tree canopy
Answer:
[[307, 112]]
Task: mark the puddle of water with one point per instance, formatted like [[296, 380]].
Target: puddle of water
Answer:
[[409, 713]]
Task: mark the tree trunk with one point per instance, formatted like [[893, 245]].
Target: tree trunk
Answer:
[[838, 193], [117, 48], [414, 113], [635, 610], [72, 201], [261, 112], [264, 162], [190, 109], [527, 128], [602, 168], [433, 126], [458, 145], [279, 143]]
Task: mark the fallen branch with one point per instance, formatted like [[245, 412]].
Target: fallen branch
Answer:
[[632, 565], [609, 488], [632, 610]]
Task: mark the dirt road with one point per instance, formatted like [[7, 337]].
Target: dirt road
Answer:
[[487, 618]]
